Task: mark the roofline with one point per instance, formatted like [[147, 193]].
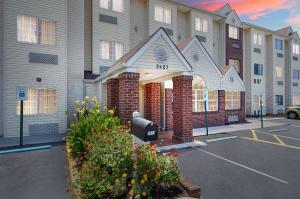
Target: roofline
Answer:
[[266, 29], [197, 8]]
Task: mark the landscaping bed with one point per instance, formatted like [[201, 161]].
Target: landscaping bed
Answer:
[[104, 164]]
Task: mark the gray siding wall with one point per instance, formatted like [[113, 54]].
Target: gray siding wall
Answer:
[[19, 72], [182, 25], [75, 53], [1, 65], [88, 35]]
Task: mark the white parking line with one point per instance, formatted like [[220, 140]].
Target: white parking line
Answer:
[[294, 125], [219, 139], [243, 166]]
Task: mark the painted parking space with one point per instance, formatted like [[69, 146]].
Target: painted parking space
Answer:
[[233, 167]]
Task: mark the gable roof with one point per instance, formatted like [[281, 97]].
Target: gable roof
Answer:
[[227, 70]]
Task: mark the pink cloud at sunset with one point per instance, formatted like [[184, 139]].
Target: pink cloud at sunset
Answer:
[[250, 8], [294, 20]]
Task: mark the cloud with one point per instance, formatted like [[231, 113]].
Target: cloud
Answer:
[[252, 9], [293, 20]]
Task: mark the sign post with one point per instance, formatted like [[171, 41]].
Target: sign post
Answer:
[[206, 117], [21, 96], [261, 112]]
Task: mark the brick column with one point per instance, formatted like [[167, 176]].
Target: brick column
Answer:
[[242, 117], [128, 95], [182, 110], [168, 108], [113, 95], [152, 102], [221, 104]]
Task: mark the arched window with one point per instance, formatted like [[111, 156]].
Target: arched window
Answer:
[[201, 94]]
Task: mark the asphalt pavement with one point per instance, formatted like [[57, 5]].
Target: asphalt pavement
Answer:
[[34, 175], [260, 164]]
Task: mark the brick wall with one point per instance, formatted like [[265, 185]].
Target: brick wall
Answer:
[[182, 115], [152, 102], [235, 53], [216, 118], [168, 109], [113, 95], [128, 95]]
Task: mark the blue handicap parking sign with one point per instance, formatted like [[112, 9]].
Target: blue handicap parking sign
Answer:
[[21, 94]]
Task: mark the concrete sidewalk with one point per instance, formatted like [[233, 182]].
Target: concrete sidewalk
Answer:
[[252, 123]]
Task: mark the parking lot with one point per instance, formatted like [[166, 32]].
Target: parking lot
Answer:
[[259, 164]]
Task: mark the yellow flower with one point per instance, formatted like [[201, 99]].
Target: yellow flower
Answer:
[[132, 181], [124, 175], [117, 181], [143, 181], [111, 112], [145, 177], [110, 187], [131, 192], [144, 193]]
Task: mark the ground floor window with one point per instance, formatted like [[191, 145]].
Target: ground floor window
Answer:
[[232, 100], [279, 100], [296, 100], [40, 101], [201, 94], [256, 101]]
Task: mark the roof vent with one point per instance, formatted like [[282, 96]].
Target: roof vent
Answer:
[[160, 54]]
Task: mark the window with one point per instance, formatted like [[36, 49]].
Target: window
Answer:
[[119, 50], [115, 5], [40, 101], [232, 100], [296, 49], [296, 74], [201, 24], [278, 72], [258, 69], [236, 64], [296, 100], [233, 32], [104, 50], [279, 100], [257, 39], [163, 14], [257, 81], [200, 94], [33, 30], [256, 101], [279, 44]]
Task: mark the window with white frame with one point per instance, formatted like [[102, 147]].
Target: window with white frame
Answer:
[[258, 69], [105, 50], [201, 24], [278, 72], [256, 101], [163, 14], [232, 100], [233, 32], [36, 31], [296, 74], [115, 5], [279, 100], [236, 64], [40, 101], [296, 49], [119, 50], [201, 94], [257, 39], [296, 100], [278, 44]]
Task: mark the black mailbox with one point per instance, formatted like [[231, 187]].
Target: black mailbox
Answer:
[[144, 129]]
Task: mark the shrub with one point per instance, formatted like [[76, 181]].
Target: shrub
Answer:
[[109, 165]]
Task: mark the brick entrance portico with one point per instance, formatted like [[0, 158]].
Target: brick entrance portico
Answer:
[[152, 102], [128, 95], [182, 114], [113, 95]]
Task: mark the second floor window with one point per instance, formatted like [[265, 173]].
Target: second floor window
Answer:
[[163, 14], [279, 44], [258, 69], [111, 50], [279, 100], [257, 39], [233, 32], [201, 24], [296, 49], [236, 64], [115, 5], [278, 72], [36, 31], [296, 74]]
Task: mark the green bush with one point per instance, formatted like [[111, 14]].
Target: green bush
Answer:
[[109, 165]]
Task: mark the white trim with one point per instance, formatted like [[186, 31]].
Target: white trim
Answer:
[[237, 76], [159, 33], [204, 51]]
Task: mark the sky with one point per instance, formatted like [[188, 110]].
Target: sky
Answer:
[[272, 14]]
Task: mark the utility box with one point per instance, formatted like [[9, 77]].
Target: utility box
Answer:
[[144, 129]]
